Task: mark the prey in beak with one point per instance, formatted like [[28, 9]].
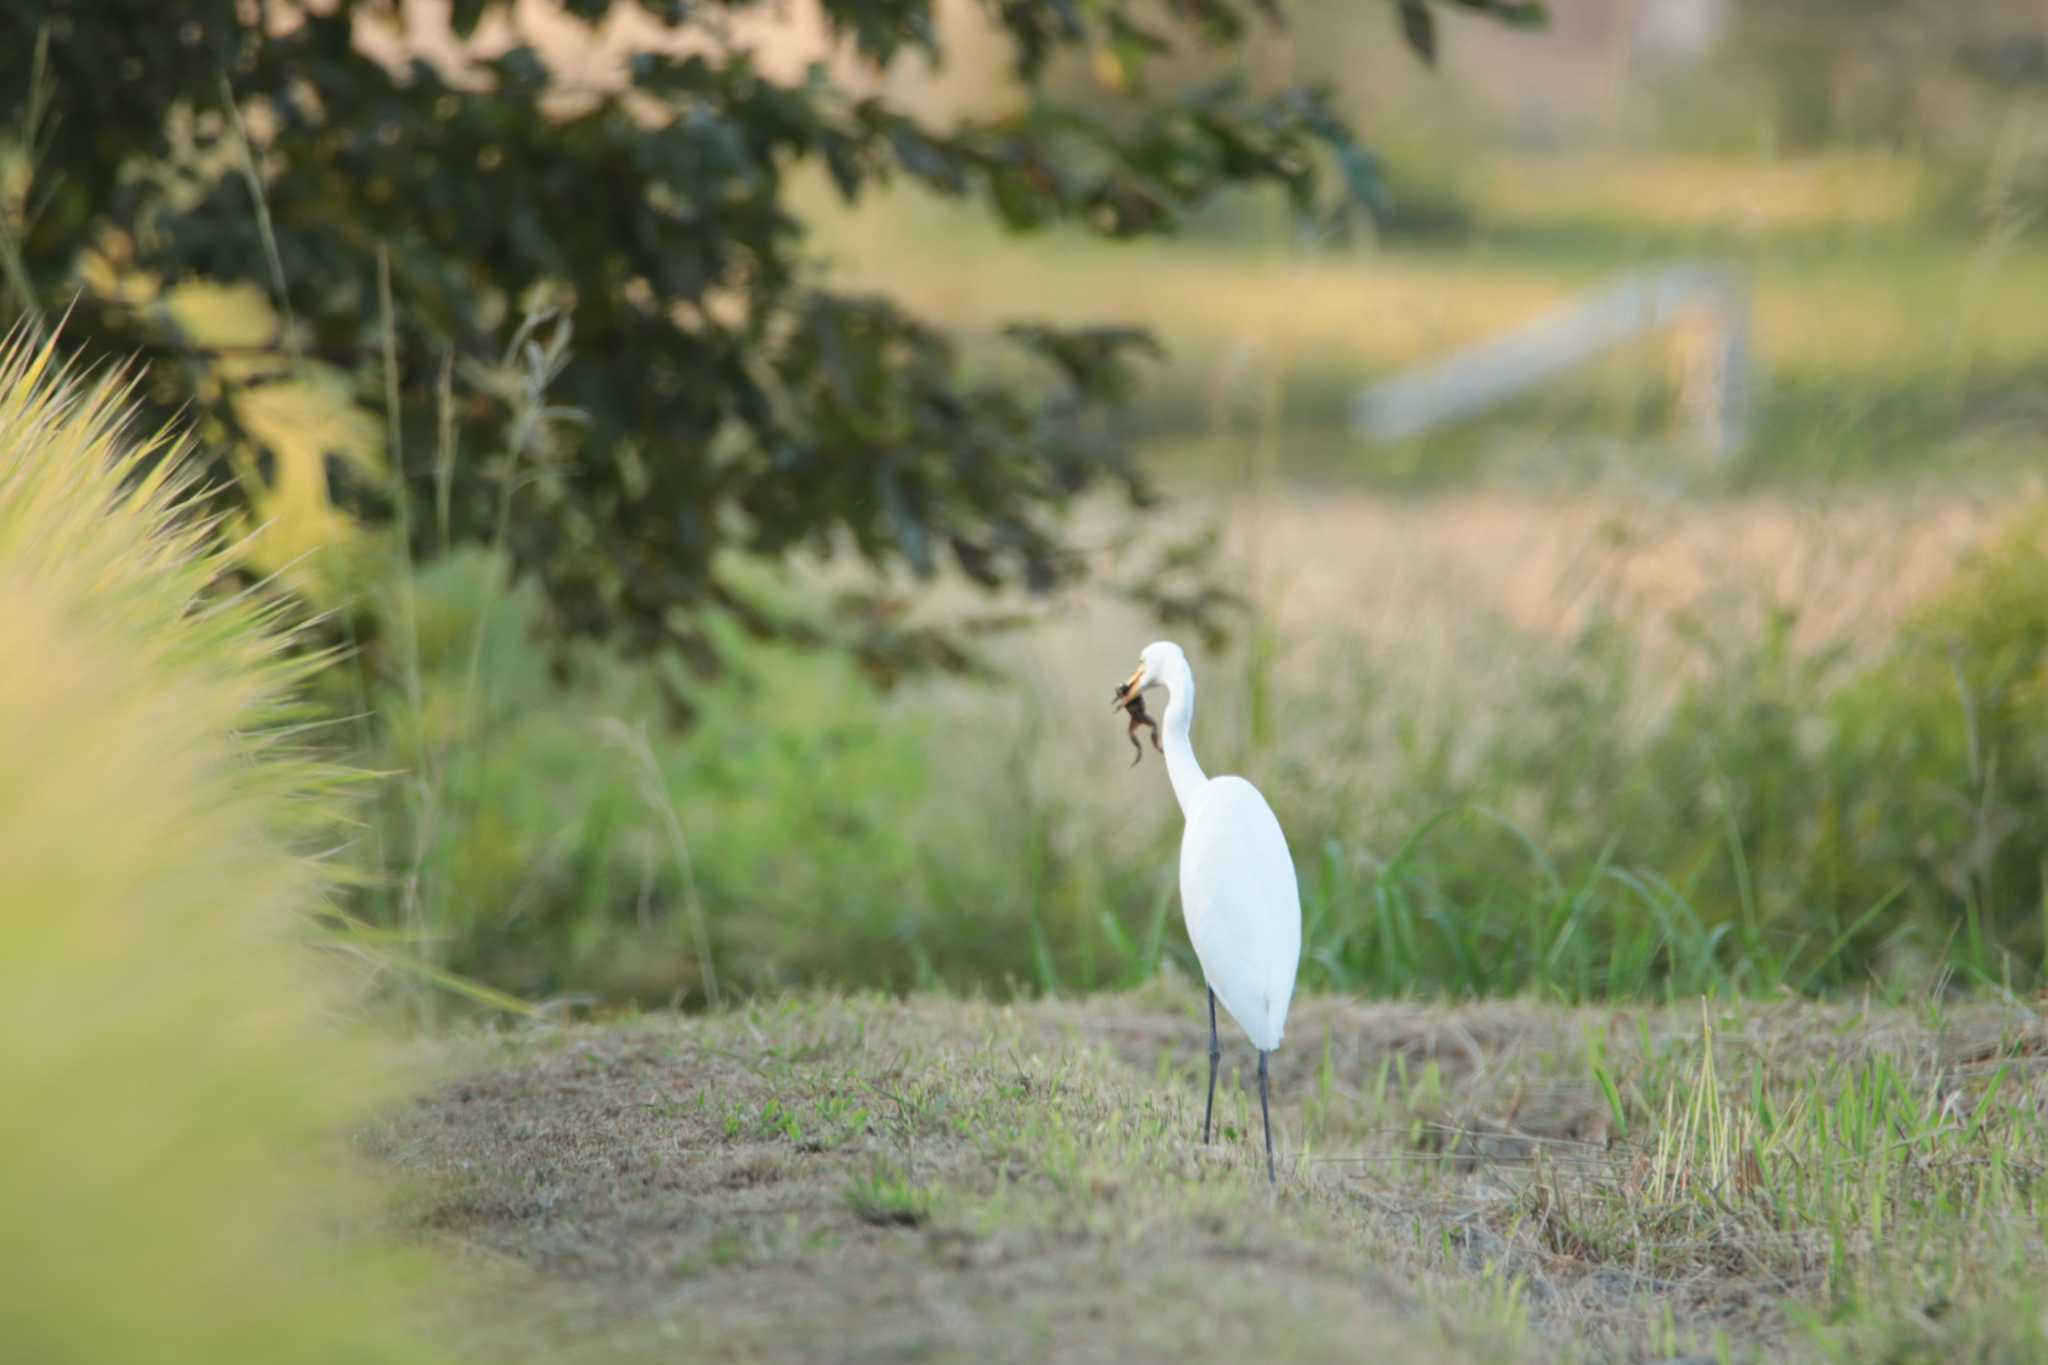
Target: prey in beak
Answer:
[[1131, 697]]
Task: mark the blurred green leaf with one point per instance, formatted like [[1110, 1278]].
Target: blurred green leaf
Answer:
[[1418, 29]]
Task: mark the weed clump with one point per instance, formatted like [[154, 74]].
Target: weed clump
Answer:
[[173, 1075]]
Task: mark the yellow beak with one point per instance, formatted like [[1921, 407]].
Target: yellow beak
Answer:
[[1129, 688]]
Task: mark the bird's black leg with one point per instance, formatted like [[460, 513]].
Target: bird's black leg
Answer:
[[1266, 1115], [1215, 1055]]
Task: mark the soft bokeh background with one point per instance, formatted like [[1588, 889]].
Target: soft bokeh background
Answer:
[[1574, 693], [1556, 697]]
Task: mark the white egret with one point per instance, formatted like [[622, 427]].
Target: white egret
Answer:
[[1237, 888]]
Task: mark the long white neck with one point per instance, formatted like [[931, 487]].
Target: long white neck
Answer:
[[1181, 769]]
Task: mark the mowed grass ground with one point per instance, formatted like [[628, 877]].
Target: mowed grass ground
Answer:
[[823, 1178]]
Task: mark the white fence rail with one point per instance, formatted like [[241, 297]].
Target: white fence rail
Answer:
[[1707, 307]]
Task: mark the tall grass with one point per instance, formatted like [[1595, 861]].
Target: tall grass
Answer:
[[173, 1185], [1782, 818]]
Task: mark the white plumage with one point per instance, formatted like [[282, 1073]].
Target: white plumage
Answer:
[[1237, 887], [1238, 894]]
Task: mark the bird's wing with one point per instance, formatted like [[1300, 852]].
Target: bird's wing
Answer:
[[1243, 909]]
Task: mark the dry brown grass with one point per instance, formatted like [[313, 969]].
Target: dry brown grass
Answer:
[[1544, 566], [1463, 604]]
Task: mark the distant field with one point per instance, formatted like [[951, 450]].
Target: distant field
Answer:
[[1462, 595], [1885, 344], [1882, 307], [1677, 193], [817, 1178]]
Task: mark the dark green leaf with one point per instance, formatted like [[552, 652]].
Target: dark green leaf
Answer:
[[464, 15], [1418, 29]]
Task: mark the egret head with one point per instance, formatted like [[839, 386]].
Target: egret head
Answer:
[[1157, 662]]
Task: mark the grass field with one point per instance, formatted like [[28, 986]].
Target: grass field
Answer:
[[1588, 744], [864, 1179]]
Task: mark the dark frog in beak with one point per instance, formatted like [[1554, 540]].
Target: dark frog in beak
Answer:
[[1130, 696]]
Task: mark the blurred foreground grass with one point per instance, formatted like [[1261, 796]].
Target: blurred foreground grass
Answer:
[[174, 1182]]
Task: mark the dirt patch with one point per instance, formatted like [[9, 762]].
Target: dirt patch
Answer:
[[693, 1180]]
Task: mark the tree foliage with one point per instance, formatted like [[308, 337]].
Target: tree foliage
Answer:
[[732, 402]]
